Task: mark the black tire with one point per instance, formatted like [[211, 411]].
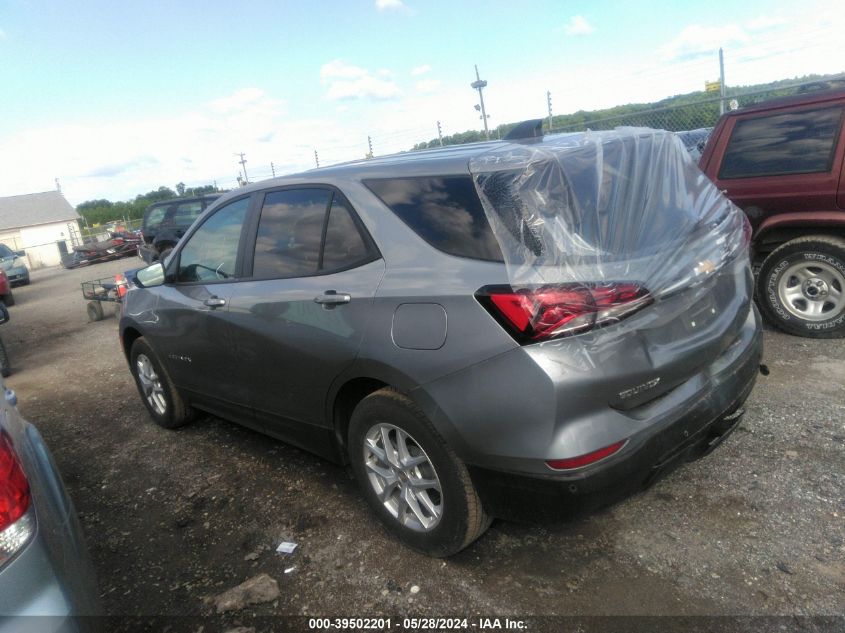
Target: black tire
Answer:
[[175, 412], [824, 258], [462, 519], [5, 365], [9, 299], [95, 311]]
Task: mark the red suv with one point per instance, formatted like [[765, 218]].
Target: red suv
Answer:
[[782, 162]]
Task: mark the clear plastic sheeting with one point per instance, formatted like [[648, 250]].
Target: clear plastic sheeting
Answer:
[[595, 226]]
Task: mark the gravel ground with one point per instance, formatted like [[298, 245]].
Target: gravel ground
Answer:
[[175, 518]]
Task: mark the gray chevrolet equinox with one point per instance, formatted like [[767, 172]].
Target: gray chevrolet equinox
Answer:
[[517, 329]]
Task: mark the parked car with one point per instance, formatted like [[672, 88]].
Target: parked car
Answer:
[[166, 222], [11, 262], [504, 329], [45, 569], [781, 161], [695, 140], [6, 295]]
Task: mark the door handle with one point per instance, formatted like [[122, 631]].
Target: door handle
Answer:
[[332, 298], [214, 302]]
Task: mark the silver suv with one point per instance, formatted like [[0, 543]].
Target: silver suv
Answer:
[[504, 329]]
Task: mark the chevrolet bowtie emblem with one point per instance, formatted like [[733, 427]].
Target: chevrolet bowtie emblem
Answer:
[[705, 268]]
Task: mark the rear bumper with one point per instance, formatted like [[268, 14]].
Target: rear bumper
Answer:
[[646, 457]]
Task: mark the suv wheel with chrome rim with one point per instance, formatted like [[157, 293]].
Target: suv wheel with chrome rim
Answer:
[[415, 483]]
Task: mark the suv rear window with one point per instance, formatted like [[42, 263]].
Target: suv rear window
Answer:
[[186, 213], [445, 211], [154, 216], [780, 144]]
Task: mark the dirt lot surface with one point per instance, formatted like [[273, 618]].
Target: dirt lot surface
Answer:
[[174, 518]]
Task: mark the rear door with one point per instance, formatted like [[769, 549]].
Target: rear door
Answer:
[[298, 317], [192, 334]]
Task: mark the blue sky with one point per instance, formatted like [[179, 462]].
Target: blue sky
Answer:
[[115, 98]]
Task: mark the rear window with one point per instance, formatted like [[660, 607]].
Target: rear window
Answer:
[[186, 213], [780, 144], [445, 211], [154, 216]]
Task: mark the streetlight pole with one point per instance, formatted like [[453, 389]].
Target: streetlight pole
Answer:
[[242, 161], [721, 82], [479, 84]]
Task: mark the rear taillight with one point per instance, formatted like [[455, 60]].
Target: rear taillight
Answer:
[[585, 460], [16, 526], [539, 314]]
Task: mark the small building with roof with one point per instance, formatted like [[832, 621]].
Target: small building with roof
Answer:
[[44, 225]]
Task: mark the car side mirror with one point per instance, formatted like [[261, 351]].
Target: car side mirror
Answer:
[[4, 313], [150, 276], [20, 254]]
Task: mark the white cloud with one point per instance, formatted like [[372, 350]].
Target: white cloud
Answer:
[[348, 82], [696, 41], [121, 158], [427, 85], [338, 69], [578, 25], [390, 5], [421, 70], [766, 22], [238, 100]]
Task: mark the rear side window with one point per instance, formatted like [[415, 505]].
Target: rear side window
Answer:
[[154, 217], [344, 245], [289, 233], [186, 213], [445, 211], [780, 144]]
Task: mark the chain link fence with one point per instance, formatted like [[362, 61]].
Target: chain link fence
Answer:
[[694, 114]]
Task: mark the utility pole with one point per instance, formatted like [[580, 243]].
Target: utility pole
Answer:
[[439, 134], [479, 84], [273, 168], [549, 101], [316, 158], [242, 161], [215, 184], [721, 82], [370, 145]]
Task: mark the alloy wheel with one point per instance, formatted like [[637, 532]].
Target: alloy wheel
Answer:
[[403, 477], [150, 384]]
